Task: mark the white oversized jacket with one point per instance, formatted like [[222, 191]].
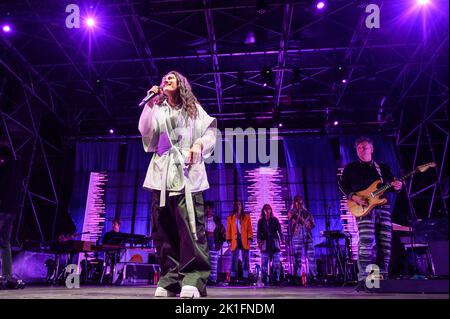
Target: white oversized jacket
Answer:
[[170, 134]]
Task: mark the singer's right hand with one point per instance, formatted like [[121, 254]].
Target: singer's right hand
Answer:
[[155, 89]]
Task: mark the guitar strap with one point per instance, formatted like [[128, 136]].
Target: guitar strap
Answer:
[[377, 167]]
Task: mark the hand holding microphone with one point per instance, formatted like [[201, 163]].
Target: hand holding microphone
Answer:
[[154, 91]]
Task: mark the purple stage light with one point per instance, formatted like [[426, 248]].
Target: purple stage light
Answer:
[[423, 2], [344, 81], [6, 28], [111, 131], [280, 125], [90, 22], [320, 5], [335, 123], [250, 38]]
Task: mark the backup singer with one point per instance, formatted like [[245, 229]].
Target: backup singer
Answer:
[[301, 223], [269, 238]]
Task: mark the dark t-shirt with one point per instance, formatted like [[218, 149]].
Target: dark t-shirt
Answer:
[[359, 175], [112, 237]]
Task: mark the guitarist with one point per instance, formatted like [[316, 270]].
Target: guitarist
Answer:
[[374, 229]]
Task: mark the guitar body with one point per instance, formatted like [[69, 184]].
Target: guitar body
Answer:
[[374, 201]]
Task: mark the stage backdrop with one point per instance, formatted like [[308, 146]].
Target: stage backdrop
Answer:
[[306, 166]]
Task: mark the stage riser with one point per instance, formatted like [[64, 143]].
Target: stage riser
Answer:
[[412, 286]]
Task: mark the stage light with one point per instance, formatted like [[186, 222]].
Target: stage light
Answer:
[[423, 2], [111, 131], [335, 123], [266, 75], [6, 28], [250, 38], [90, 22], [320, 5], [344, 81], [261, 7]]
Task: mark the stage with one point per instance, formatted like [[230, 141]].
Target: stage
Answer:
[[235, 293]]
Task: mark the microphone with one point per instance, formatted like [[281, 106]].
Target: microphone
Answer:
[[148, 97]]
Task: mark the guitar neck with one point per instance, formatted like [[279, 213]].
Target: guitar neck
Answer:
[[386, 187]]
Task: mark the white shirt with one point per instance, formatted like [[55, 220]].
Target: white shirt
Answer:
[[170, 134], [184, 132]]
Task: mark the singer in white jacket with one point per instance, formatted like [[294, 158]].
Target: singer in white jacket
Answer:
[[181, 135]]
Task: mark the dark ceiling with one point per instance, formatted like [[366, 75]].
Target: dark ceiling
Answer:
[[92, 80]]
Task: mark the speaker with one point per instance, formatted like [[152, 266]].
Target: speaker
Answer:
[[136, 274], [439, 255]]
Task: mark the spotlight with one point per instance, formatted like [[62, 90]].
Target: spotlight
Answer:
[[90, 22], [320, 5], [6, 28], [280, 124], [111, 131], [344, 81], [423, 2], [250, 38], [266, 75], [261, 6], [335, 123]]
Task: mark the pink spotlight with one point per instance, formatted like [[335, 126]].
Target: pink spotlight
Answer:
[[111, 131], [320, 5], [344, 81], [280, 125], [90, 22], [335, 123], [6, 28], [423, 2]]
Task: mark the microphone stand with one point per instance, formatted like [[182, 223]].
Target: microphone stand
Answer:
[[412, 221]]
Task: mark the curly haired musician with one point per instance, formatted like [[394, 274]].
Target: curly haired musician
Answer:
[[375, 229], [181, 136], [301, 222]]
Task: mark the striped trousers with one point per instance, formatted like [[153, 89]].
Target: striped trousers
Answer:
[[374, 246], [304, 256]]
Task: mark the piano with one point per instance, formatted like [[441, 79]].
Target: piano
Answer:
[[126, 238]]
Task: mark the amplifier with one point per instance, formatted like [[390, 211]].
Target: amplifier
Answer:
[[129, 274], [139, 255]]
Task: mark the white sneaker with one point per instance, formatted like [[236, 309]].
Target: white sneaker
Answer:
[[162, 292], [189, 292]]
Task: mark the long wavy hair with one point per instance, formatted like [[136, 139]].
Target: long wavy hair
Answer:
[[188, 99], [263, 214]]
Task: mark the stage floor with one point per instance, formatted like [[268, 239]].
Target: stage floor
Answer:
[[146, 292]]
